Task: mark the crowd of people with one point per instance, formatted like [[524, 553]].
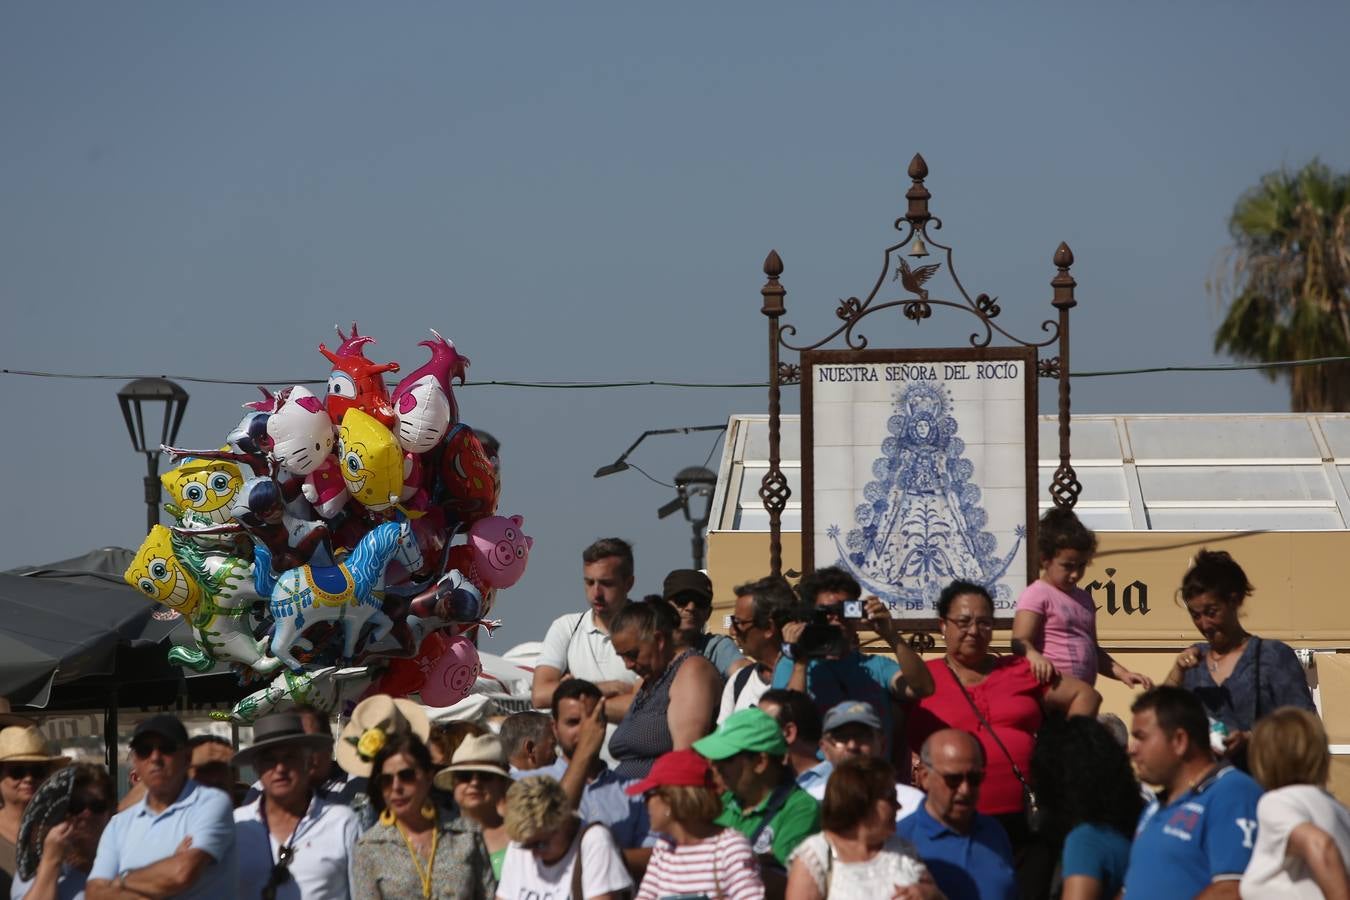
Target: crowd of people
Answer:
[[662, 761]]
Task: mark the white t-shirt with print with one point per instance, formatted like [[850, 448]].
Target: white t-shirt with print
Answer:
[[1271, 873], [526, 877]]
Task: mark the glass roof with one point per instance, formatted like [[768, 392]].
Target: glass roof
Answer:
[[1284, 472]]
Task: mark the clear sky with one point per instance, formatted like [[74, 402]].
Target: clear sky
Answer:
[[587, 191]]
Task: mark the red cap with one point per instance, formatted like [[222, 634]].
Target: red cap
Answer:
[[678, 768]]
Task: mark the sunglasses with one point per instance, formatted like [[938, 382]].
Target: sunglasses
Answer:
[[96, 805], [405, 776], [731, 623], [280, 873], [953, 779], [20, 771], [469, 777], [145, 749]]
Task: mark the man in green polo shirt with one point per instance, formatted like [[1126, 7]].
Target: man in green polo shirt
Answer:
[[762, 800]]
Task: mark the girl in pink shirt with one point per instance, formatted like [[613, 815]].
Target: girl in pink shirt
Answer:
[[1056, 620]]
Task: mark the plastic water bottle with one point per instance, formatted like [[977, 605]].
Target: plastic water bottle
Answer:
[[1218, 736]]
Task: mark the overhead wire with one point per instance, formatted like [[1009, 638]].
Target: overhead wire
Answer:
[[594, 385]]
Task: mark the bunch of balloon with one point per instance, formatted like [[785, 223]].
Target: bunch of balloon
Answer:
[[318, 552]]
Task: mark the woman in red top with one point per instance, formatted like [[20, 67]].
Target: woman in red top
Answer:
[[1009, 699]]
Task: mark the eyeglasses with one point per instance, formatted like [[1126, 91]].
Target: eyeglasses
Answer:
[[280, 873], [20, 771], [96, 805], [965, 624], [292, 758], [405, 776], [734, 624], [953, 779], [469, 777], [145, 749], [687, 599]]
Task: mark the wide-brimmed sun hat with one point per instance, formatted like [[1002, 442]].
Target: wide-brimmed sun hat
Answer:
[[478, 753], [373, 723], [24, 743], [279, 729]]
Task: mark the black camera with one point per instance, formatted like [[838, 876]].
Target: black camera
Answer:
[[819, 639]]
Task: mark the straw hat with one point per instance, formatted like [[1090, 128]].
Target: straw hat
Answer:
[[24, 743], [478, 753], [374, 721], [9, 717]]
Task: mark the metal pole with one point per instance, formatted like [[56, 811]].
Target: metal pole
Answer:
[[773, 489], [1065, 488], [151, 490]]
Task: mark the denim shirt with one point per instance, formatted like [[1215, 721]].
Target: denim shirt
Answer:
[[1236, 702]]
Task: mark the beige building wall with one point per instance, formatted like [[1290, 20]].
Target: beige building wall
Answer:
[[1299, 599]]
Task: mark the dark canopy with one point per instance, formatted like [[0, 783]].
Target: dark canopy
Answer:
[[72, 619]]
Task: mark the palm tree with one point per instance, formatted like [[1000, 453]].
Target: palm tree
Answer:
[[1286, 282]]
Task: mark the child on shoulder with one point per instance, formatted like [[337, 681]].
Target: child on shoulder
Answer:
[[1056, 620]]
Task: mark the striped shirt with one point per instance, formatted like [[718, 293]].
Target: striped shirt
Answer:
[[721, 866]]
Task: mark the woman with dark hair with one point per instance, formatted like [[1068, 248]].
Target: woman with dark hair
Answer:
[[857, 854], [1000, 701], [677, 701], [1086, 786], [415, 849], [1238, 677], [60, 833]]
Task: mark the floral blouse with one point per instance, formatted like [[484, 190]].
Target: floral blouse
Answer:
[[461, 869]]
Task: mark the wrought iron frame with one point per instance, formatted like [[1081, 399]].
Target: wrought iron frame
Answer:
[[915, 224]]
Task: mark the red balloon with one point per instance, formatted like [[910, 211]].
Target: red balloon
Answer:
[[407, 676]]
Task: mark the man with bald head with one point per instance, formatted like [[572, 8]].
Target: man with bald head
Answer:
[[968, 853]]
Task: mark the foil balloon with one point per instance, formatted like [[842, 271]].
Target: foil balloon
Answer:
[[424, 403], [454, 674], [327, 688], [302, 443], [213, 591], [371, 460], [501, 549], [202, 491], [468, 482], [407, 676], [356, 382]]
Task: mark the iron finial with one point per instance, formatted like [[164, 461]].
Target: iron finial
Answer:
[[1063, 283], [773, 292], [917, 195]]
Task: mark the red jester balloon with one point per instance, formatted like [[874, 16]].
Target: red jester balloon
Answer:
[[356, 381], [424, 402], [468, 480]]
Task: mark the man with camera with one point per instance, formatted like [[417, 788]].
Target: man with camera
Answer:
[[825, 660]]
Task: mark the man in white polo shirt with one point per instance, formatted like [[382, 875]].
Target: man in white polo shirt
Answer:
[[578, 644], [294, 844]]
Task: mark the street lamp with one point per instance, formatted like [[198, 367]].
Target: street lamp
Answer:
[[694, 493], [136, 399]]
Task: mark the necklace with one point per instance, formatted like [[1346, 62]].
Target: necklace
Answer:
[[1213, 660], [424, 875]]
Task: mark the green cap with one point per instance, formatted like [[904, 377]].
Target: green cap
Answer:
[[748, 731]]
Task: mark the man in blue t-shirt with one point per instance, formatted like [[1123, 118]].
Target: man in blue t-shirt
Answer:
[[1196, 836], [968, 854], [873, 679]]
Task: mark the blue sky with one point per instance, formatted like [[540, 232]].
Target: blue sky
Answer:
[[587, 191]]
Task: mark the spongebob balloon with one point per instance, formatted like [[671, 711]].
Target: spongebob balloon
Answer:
[[214, 592], [372, 461], [201, 492]]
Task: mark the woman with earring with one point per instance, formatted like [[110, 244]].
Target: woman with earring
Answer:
[[414, 849], [479, 777]]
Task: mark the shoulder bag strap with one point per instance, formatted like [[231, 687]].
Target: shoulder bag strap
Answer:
[[576, 868], [1256, 701], [742, 679], [979, 716]]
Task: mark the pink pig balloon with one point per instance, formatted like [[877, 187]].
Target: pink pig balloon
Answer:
[[501, 549], [452, 677]]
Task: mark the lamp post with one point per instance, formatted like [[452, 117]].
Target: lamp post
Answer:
[[694, 493], [140, 399]]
